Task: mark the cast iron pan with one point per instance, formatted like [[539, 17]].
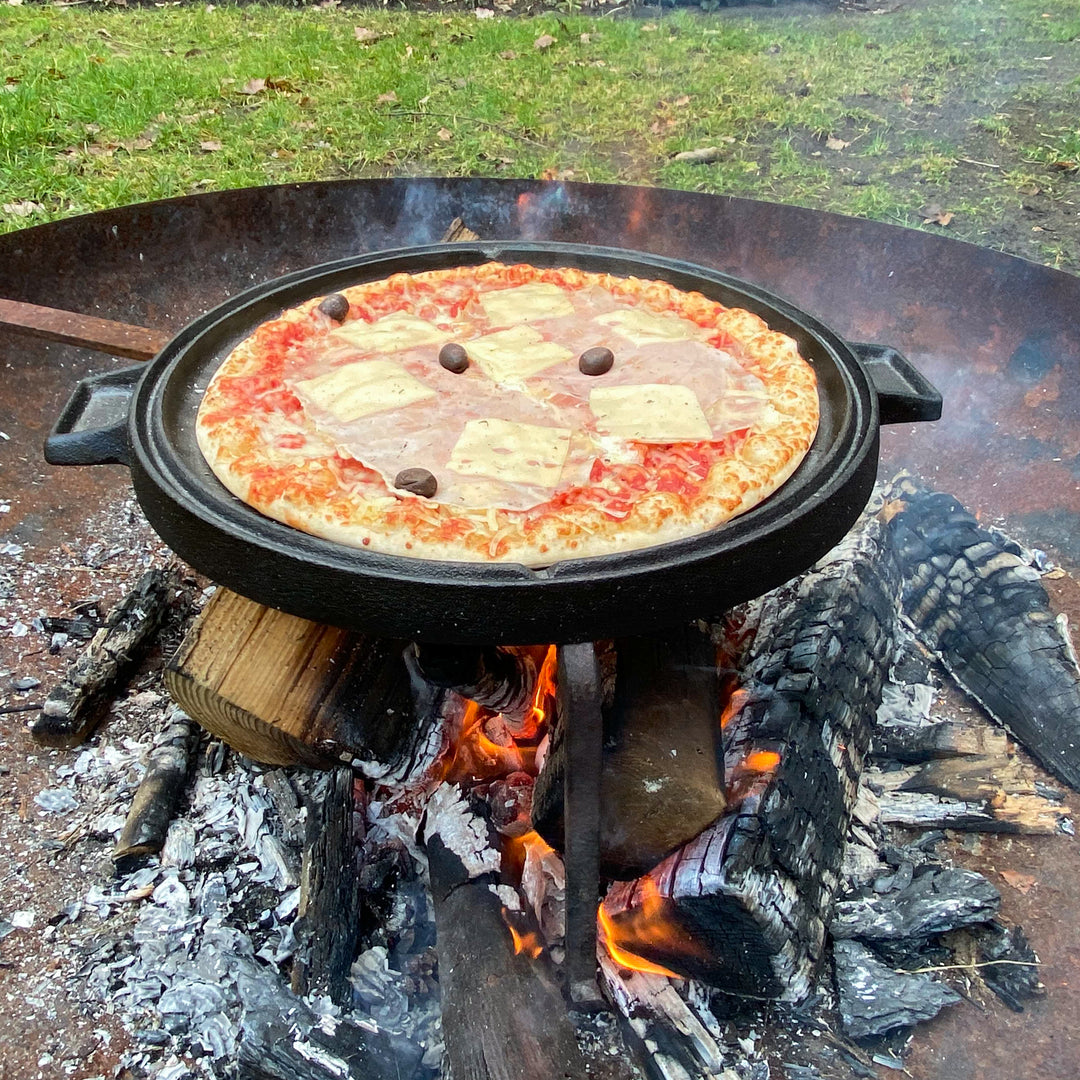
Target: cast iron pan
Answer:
[[144, 417]]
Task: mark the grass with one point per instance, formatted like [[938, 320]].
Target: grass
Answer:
[[101, 107]]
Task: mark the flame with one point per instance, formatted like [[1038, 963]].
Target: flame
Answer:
[[475, 756], [761, 761], [648, 924], [528, 942], [544, 693], [518, 849]]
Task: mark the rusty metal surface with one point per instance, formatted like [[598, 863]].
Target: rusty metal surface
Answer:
[[87, 331], [998, 335]]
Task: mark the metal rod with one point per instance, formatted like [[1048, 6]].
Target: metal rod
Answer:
[[579, 698], [88, 331]]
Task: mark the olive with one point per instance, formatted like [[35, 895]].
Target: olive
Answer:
[[453, 357], [336, 306], [596, 361], [418, 481]]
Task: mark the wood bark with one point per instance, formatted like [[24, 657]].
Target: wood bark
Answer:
[[78, 702]]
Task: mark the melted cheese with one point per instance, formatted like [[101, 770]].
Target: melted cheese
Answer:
[[526, 303], [393, 333], [512, 452], [509, 356], [654, 413], [645, 327], [356, 390]]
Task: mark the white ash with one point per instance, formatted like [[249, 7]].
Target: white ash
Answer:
[[461, 831]]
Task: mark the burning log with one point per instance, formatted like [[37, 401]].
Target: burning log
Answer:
[[77, 703], [503, 1014], [159, 792], [746, 903], [662, 775], [285, 691], [328, 920], [980, 606]]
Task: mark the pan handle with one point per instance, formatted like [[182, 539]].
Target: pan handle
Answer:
[[93, 428], [905, 395]]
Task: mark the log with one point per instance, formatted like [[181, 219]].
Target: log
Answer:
[[286, 691], [78, 702], [662, 777], [977, 603], [747, 902], [159, 792], [504, 1017], [327, 924]]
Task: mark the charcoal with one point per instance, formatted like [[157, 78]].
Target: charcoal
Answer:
[[976, 602], [874, 999], [1014, 982], [81, 628], [936, 901]]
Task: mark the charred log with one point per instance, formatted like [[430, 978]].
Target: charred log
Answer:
[[1014, 977], [77, 703], [976, 602], [662, 777], [328, 920], [751, 896], [159, 792]]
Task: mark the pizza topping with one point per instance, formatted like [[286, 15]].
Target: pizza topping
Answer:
[[512, 452], [596, 361], [453, 357], [645, 327], [335, 306], [508, 356], [526, 303], [653, 413], [392, 333], [356, 390], [418, 481]]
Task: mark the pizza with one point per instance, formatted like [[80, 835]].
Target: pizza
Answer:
[[508, 413]]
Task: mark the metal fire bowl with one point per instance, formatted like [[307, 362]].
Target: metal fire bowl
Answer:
[[999, 336]]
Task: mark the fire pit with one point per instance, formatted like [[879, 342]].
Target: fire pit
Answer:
[[942, 303]]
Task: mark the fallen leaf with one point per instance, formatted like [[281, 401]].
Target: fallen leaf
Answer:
[[137, 144], [252, 87], [649, 28], [934, 215], [485, 13], [23, 209], [552, 173], [682, 101], [194, 52], [508, 54], [386, 99], [209, 145], [1023, 883], [704, 155], [445, 134], [906, 96], [408, 51], [544, 41], [365, 35], [833, 143], [282, 84], [1065, 166]]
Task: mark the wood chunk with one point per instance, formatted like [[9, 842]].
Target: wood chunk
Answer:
[[458, 232], [1017, 979], [159, 791], [896, 742], [976, 602], [283, 690], [328, 920], [77, 703], [662, 778]]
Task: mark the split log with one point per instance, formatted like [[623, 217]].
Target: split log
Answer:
[[78, 702], [948, 739], [976, 602], [503, 1015], [327, 924], [458, 232], [283, 690], [159, 791], [748, 900], [662, 778]]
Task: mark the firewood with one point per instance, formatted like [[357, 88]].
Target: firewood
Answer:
[[947, 739], [327, 924], [662, 778], [77, 703], [159, 791], [458, 232], [977, 602], [284, 690]]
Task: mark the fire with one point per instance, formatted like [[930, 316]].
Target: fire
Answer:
[[528, 942], [647, 925], [761, 761], [484, 750], [544, 693]]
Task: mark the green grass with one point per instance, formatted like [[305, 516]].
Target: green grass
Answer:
[[101, 107]]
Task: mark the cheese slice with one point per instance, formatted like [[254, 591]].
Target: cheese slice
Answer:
[[526, 303], [393, 333], [512, 452], [652, 413], [645, 327], [512, 355], [355, 390]]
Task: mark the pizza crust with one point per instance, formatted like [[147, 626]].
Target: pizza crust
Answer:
[[269, 453]]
